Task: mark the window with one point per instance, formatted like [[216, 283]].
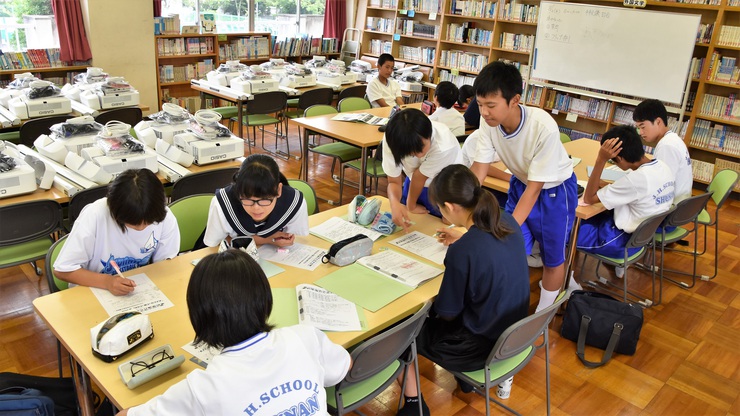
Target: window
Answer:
[[27, 24]]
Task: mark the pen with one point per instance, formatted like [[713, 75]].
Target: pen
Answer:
[[439, 233], [115, 267]]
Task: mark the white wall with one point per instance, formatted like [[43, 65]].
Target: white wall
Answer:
[[121, 37]]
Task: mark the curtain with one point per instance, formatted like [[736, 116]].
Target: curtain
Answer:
[[72, 38], [157, 8], [335, 19]]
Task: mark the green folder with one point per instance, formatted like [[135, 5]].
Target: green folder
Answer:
[[270, 269], [363, 286]]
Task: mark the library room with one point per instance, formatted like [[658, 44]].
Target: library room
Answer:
[[565, 172]]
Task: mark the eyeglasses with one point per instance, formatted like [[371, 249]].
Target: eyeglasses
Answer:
[[139, 366], [266, 202]]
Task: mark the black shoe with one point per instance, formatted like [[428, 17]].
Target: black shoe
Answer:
[[411, 407], [464, 386]]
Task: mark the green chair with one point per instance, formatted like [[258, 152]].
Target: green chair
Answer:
[[722, 185], [307, 99], [227, 113], [11, 136], [564, 138], [205, 182], [373, 169], [353, 104], [338, 151], [266, 109], [376, 363], [55, 284], [308, 194], [26, 231], [513, 350], [192, 216]]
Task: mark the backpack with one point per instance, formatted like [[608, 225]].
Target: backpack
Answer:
[[22, 401], [22, 394]]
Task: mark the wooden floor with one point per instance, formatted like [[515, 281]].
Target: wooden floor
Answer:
[[687, 360]]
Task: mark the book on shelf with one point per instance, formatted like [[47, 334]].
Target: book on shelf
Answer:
[[325, 310], [702, 171], [208, 22], [31, 59], [304, 46], [167, 25]]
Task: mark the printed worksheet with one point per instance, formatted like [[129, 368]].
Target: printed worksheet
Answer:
[[336, 229], [203, 353], [325, 310], [422, 245], [402, 268], [298, 255], [145, 298]]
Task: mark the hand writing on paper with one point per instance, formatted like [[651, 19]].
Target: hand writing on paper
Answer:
[[447, 236], [119, 286]]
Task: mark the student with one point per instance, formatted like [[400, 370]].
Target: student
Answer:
[[258, 204], [260, 370], [472, 114], [485, 287], [444, 97], [131, 226], [648, 190], [384, 91], [420, 148], [466, 93], [651, 118], [543, 192]]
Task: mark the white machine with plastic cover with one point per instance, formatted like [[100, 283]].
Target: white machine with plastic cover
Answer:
[[225, 73], [274, 66], [172, 120], [15, 87], [114, 92], [297, 76], [334, 73], [73, 135], [408, 79], [16, 176], [255, 81], [41, 99], [362, 70], [207, 141]]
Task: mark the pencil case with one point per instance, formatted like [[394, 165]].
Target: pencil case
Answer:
[[347, 251]]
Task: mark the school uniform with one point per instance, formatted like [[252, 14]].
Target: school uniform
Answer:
[[280, 372], [96, 239], [444, 151], [469, 148], [646, 191], [450, 118], [472, 114], [485, 288], [672, 150], [533, 152], [388, 91], [227, 217]]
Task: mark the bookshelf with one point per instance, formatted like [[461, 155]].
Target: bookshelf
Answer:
[[58, 75], [179, 59], [300, 49], [711, 123], [247, 48]]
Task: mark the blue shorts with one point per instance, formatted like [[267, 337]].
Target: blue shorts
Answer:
[[550, 220], [423, 198], [599, 235]]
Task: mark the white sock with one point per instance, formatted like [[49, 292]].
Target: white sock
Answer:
[[573, 285], [547, 298]]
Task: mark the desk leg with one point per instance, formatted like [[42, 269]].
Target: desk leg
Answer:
[[239, 115], [84, 389], [304, 151], [571, 252], [363, 171]]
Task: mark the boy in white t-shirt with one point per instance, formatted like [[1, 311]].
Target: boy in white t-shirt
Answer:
[[646, 191], [384, 91], [651, 119], [543, 193], [131, 226], [420, 148], [445, 97]]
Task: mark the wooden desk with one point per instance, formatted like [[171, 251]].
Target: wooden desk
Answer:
[[71, 313], [361, 135]]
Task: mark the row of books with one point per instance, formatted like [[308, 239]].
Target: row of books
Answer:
[[184, 73], [462, 60], [485, 9], [678, 127], [457, 79], [723, 69], [305, 46], [708, 2], [410, 27], [466, 33], [386, 4], [516, 42], [426, 6], [577, 134], [417, 53], [380, 24], [185, 46], [378, 46], [729, 36], [166, 25], [623, 114], [590, 107], [715, 137], [721, 107], [702, 171], [59, 81], [533, 95], [704, 34], [34, 58], [733, 3], [519, 12], [697, 64], [192, 104], [252, 47]]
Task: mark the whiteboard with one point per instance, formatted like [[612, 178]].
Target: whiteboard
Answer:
[[635, 52]]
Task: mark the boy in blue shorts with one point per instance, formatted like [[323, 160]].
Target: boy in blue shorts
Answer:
[[543, 192]]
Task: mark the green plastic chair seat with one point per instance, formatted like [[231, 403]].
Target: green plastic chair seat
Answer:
[[620, 260], [340, 150], [357, 392], [226, 112], [293, 113], [293, 102], [25, 252], [500, 368], [564, 138], [192, 216], [704, 217], [260, 120], [674, 235], [357, 165], [11, 136], [309, 195]]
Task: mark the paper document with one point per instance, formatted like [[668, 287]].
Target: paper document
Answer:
[[325, 310], [610, 173], [145, 298], [298, 255], [203, 353], [423, 246], [336, 229], [361, 118], [575, 160], [401, 268]]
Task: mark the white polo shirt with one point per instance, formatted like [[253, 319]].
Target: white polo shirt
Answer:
[[377, 90], [672, 150], [451, 118]]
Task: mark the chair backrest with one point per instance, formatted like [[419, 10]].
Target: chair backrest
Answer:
[[353, 91], [128, 115], [522, 335], [645, 232], [687, 210], [315, 96], [308, 194], [28, 221], [55, 284], [381, 350], [319, 110], [32, 129], [564, 138], [267, 103], [352, 104], [192, 216], [81, 199], [205, 182], [722, 185]]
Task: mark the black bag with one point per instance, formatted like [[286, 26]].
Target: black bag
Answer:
[[37, 396], [603, 322], [22, 401]]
